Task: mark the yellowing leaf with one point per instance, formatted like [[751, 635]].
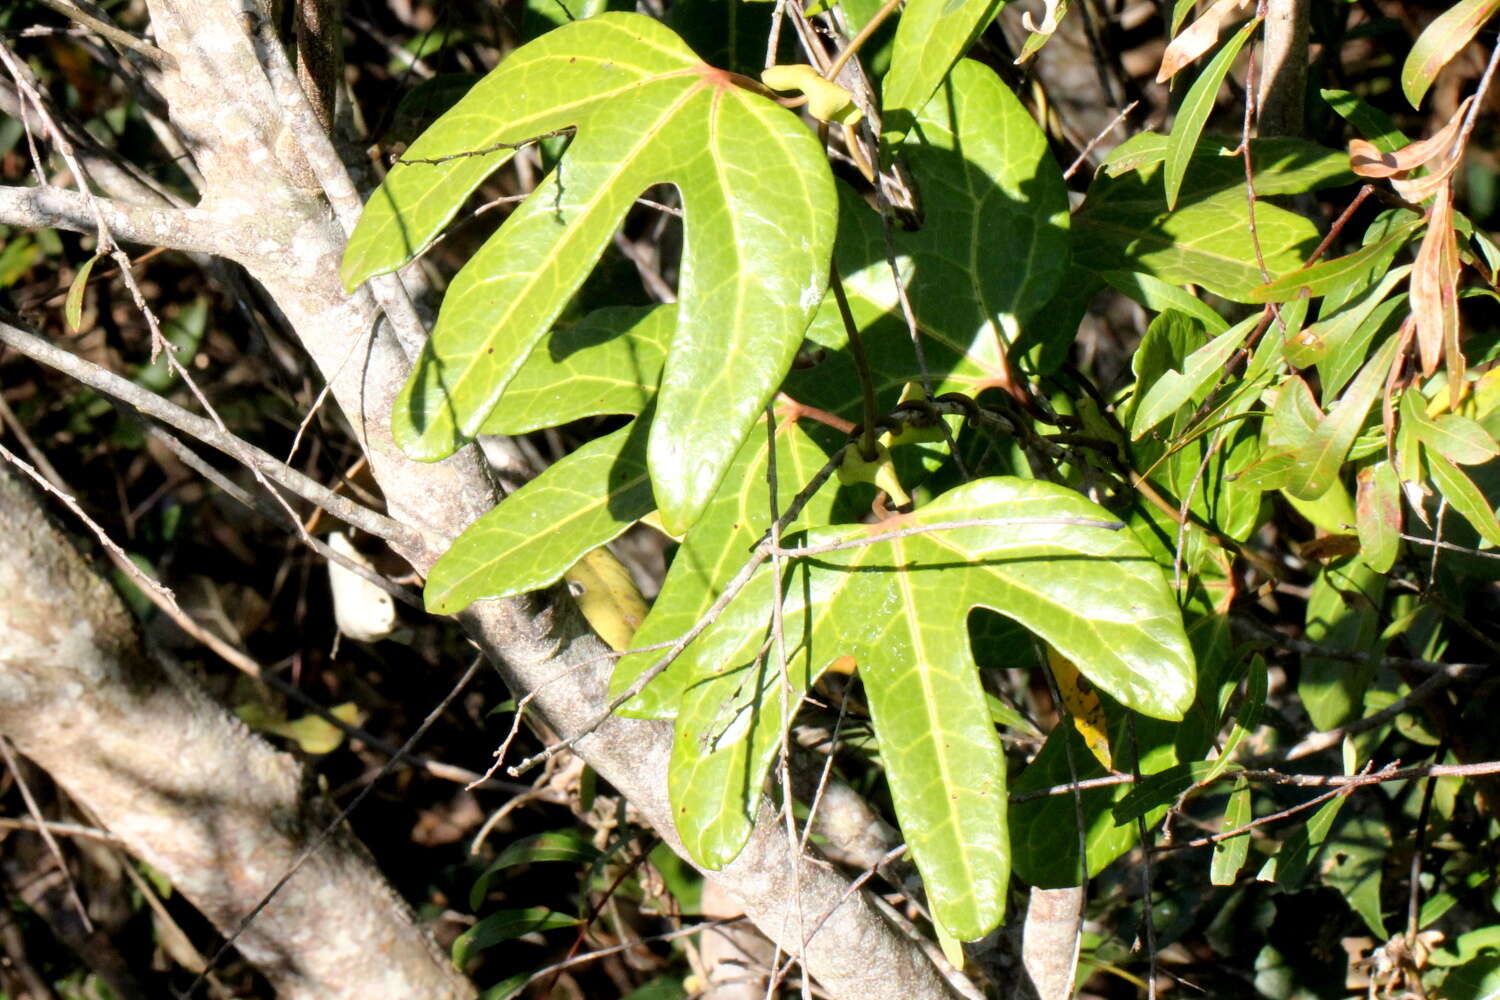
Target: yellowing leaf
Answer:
[[1434, 290], [1083, 705], [1443, 39], [608, 597]]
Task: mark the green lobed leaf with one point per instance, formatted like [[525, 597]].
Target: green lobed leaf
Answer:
[[758, 204], [1030, 550], [931, 36], [1439, 42], [608, 362], [991, 192], [527, 542], [1193, 114]]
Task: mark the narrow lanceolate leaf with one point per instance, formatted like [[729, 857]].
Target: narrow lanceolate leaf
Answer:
[[1466, 498], [1229, 855], [608, 362], [1443, 39], [759, 211], [893, 603], [1377, 508], [1434, 288], [1173, 388], [534, 535], [1326, 276], [73, 306], [930, 38], [1319, 460], [507, 925], [1193, 113], [1456, 438]]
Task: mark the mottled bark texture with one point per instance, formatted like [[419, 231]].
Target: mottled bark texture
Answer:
[[185, 785], [284, 201]]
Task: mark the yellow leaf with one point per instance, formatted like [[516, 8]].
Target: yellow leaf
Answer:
[[608, 597], [826, 101], [1082, 703]]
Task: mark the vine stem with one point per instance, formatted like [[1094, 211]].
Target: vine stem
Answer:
[[871, 26], [867, 447]]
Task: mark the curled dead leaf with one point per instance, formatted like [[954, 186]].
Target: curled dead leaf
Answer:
[[1199, 37], [1434, 289]]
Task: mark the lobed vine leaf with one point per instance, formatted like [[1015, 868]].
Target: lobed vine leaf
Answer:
[[896, 605], [930, 38], [759, 208]]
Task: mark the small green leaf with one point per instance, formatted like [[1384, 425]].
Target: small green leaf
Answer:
[[1355, 860], [1172, 389], [73, 306], [1321, 458], [1377, 506], [1229, 855], [930, 38], [1158, 297], [1457, 438], [1439, 42], [1288, 866], [1343, 613], [1466, 498], [554, 845], [507, 925], [531, 539], [1193, 113], [1162, 789]]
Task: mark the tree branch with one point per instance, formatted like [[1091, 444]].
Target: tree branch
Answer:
[[189, 229]]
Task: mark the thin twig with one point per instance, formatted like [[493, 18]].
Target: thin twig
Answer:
[[105, 381], [122, 38]]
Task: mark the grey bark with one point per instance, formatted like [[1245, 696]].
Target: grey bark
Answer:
[[263, 168], [1283, 83], [185, 785]]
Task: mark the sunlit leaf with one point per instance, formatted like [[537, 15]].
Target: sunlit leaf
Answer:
[[1377, 507], [930, 38], [758, 202], [1195, 109], [1439, 42]]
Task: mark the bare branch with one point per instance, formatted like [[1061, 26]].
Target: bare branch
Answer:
[[189, 229]]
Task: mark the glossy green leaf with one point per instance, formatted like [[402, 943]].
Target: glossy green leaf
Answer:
[[533, 536], [1343, 613], [608, 362], [758, 204], [1158, 297], [1282, 164], [1162, 789], [1193, 114], [1045, 831], [1110, 612], [1466, 498], [1329, 275], [1341, 330], [991, 192], [1229, 855], [1355, 860], [1173, 388], [1371, 123], [930, 38], [1124, 224], [1320, 459], [507, 925], [1377, 507], [554, 845], [1457, 438], [1288, 866], [1439, 42]]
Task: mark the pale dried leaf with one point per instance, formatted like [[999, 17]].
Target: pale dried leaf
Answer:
[[1434, 284], [1199, 37]]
